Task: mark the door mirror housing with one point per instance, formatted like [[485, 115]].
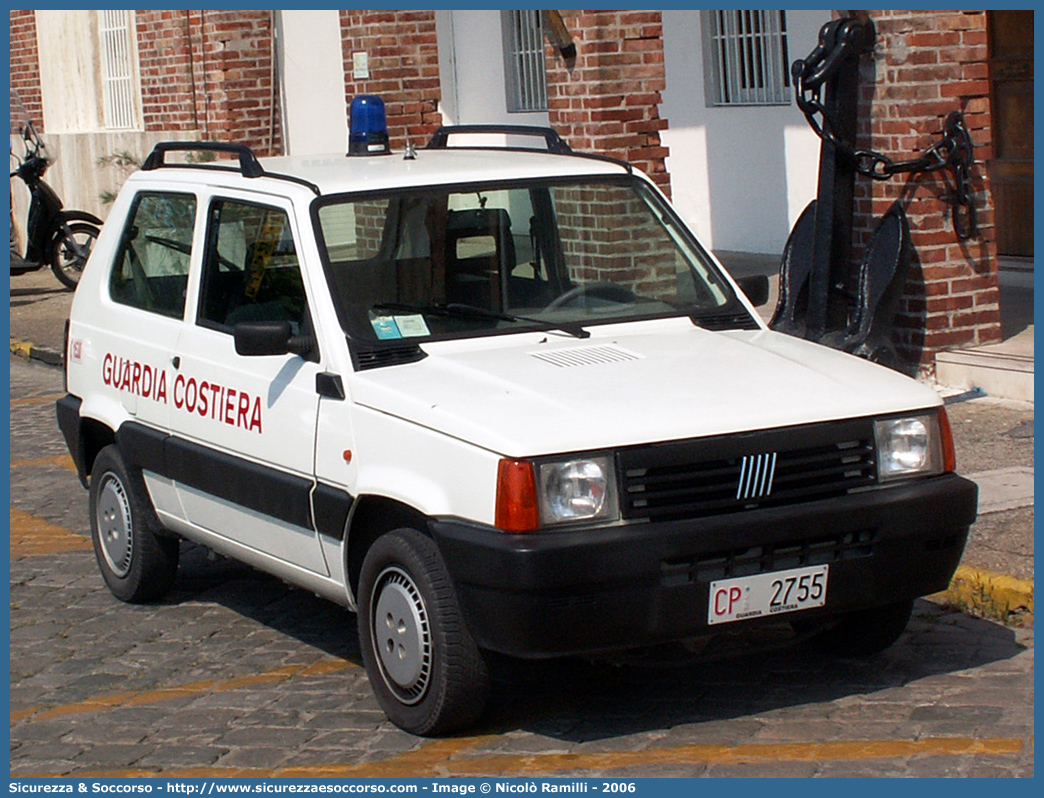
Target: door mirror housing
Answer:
[[264, 338], [756, 287]]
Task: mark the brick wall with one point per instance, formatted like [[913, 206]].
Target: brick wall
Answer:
[[404, 69], [607, 99], [212, 72], [235, 59], [632, 252], [171, 94], [25, 65], [207, 71], [925, 65]]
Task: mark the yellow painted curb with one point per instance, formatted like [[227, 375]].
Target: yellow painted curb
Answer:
[[21, 348], [990, 594], [31, 351]]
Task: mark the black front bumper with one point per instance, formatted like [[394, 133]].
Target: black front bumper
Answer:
[[565, 592]]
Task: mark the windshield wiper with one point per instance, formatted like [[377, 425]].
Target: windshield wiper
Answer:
[[462, 311]]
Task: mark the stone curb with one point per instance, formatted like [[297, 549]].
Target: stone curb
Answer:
[[992, 595], [28, 349]]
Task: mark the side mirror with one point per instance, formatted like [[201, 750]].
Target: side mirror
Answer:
[[261, 338], [756, 287]]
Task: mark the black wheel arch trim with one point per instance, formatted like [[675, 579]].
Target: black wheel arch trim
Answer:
[[67, 410]]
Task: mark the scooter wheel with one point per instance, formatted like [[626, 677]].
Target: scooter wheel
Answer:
[[71, 252]]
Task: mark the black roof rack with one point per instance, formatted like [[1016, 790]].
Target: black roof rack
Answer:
[[554, 142], [249, 166], [556, 145], [248, 163]]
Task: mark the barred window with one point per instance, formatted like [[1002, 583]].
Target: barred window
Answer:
[[117, 70], [524, 61], [746, 58]]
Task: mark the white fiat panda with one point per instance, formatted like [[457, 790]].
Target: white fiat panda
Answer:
[[491, 400]]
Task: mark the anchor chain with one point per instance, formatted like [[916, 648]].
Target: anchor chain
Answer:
[[953, 151]]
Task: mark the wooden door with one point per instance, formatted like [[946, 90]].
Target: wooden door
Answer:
[[1011, 89]]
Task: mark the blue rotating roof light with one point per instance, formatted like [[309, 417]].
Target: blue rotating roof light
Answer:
[[368, 128]]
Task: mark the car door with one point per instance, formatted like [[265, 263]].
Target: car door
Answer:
[[243, 427], [132, 337]]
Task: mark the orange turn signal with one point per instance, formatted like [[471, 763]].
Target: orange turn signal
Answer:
[[948, 451], [516, 497]]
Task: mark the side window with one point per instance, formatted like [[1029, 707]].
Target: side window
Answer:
[[152, 262], [250, 268]]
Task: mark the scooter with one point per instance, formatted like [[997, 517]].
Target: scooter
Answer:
[[56, 237]]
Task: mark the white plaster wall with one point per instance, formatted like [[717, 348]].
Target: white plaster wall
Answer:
[[69, 70], [742, 175], [471, 69], [311, 74], [76, 173]]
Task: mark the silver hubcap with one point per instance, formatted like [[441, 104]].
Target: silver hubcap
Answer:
[[114, 525], [401, 635]]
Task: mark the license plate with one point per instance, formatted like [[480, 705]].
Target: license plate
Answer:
[[774, 593]]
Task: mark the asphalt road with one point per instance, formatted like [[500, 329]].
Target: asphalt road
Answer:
[[236, 674]]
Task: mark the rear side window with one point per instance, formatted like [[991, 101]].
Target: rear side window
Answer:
[[152, 262]]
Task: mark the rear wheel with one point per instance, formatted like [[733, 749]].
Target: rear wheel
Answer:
[[427, 673], [71, 252], [137, 564]]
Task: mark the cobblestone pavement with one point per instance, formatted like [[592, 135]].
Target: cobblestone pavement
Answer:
[[994, 434], [236, 674]]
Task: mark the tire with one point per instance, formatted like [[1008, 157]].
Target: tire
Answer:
[[864, 632], [65, 263], [426, 671], [137, 564]]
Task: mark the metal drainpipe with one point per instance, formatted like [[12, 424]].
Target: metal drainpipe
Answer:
[[271, 83]]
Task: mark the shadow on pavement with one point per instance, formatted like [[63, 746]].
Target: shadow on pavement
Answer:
[[735, 675], [28, 296], [263, 598], [584, 701]]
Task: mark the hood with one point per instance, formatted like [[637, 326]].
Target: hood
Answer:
[[533, 394]]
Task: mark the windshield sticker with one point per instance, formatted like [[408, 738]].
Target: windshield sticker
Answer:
[[412, 326], [385, 327]]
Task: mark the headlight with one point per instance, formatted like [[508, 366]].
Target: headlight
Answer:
[[577, 490], [908, 446]]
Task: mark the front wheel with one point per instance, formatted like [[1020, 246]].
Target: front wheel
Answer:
[[864, 632], [137, 564], [71, 252], [426, 671]]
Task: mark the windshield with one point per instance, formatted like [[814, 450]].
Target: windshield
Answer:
[[434, 263]]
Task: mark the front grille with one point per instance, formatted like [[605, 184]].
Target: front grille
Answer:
[[709, 476]]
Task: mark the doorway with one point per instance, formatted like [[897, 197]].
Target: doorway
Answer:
[[1011, 90], [1010, 37]]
